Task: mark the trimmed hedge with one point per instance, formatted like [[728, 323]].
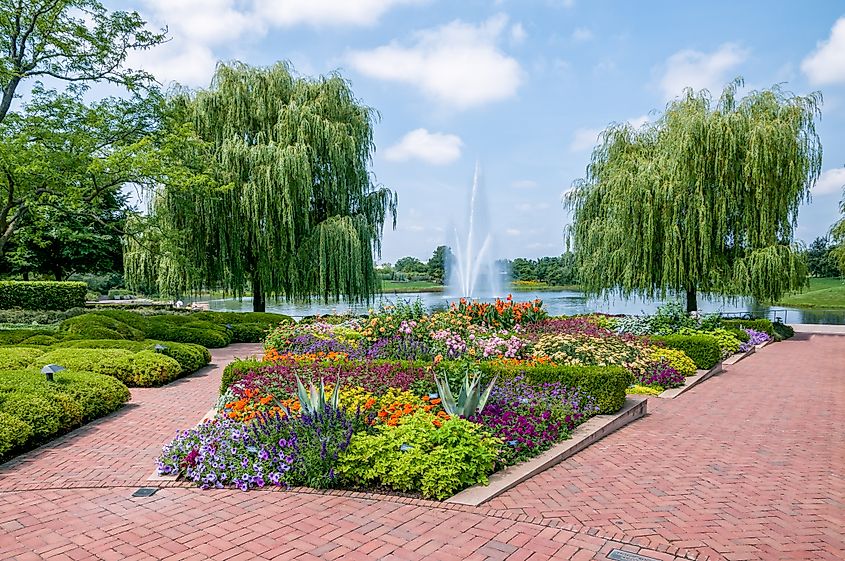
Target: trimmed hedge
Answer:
[[236, 370], [703, 349], [190, 357], [248, 332], [782, 331], [763, 325], [33, 410], [14, 358], [38, 295], [144, 368], [99, 326], [18, 336], [740, 334], [607, 384]]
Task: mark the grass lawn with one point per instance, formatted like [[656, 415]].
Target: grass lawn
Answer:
[[822, 293], [410, 286]]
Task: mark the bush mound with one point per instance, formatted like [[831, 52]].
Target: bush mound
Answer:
[[14, 358], [190, 357], [703, 349], [42, 295], [100, 326], [144, 368], [33, 410], [763, 325]]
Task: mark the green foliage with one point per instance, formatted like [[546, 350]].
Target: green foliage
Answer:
[[740, 334], [728, 343], [144, 368], [554, 271], [438, 263], [190, 357], [18, 336], [418, 456], [314, 402], [703, 349], [703, 199], [38, 295], [471, 399], [607, 384], [782, 331], [645, 390], [38, 317], [272, 179], [236, 370], [763, 325], [677, 359], [248, 332], [100, 326], [41, 412], [821, 259], [14, 358], [14, 433]]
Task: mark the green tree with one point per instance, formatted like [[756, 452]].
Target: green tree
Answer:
[[821, 262], [68, 40], [704, 199], [62, 160], [838, 235], [268, 188], [438, 263], [410, 265]]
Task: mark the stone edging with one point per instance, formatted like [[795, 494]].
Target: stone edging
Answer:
[[691, 381], [583, 436], [733, 359]]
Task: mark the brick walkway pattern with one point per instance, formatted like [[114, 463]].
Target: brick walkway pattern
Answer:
[[748, 465]]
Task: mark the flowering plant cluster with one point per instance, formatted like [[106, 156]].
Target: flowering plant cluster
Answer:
[[501, 313], [754, 338], [659, 374]]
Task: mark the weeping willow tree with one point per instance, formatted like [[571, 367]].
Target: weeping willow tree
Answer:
[[838, 234], [271, 192], [704, 199]]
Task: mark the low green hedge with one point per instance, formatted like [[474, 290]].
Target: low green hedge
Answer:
[[190, 357], [38, 295], [741, 335], [14, 358], [782, 331], [703, 349], [236, 370], [248, 332], [144, 368], [763, 325], [33, 410], [99, 326], [607, 384], [18, 336]]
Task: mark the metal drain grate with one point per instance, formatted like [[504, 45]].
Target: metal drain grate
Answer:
[[145, 492], [619, 555]]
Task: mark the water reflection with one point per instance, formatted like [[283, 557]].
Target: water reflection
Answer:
[[566, 302]]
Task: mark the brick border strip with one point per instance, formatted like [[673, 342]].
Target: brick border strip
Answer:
[[593, 430]]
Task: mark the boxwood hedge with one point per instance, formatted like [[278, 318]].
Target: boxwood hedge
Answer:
[[703, 349], [763, 325], [190, 357], [14, 358], [42, 295], [33, 410], [144, 368]]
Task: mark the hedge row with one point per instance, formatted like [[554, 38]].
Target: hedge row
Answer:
[[144, 368], [38, 295], [190, 357], [763, 325], [607, 384], [703, 349], [33, 410]]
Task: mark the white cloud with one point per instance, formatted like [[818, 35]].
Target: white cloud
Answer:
[[432, 147], [826, 65], [458, 63], [582, 34], [584, 139], [637, 122], [524, 184], [513, 232], [205, 21], [698, 70], [518, 33], [286, 13], [831, 181], [190, 64]]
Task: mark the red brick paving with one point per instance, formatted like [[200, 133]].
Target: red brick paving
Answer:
[[747, 465]]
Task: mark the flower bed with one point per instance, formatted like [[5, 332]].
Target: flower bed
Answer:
[[426, 403]]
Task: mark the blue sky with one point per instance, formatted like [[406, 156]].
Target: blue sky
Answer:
[[522, 86]]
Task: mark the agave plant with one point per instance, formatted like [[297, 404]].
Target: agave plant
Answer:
[[471, 398], [313, 400]]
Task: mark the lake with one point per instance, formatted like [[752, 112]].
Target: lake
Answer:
[[565, 302]]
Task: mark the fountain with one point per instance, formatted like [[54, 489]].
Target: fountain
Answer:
[[472, 268]]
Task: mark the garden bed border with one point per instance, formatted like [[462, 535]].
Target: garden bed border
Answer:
[[691, 381], [586, 434]]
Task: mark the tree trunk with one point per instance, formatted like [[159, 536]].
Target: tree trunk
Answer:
[[58, 273], [26, 275], [258, 298], [692, 300]]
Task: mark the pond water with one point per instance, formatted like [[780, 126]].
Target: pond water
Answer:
[[565, 302]]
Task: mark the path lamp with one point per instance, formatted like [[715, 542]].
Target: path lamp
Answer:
[[159, 348], [51, 369]]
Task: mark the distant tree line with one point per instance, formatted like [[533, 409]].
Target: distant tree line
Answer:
[[821, 259]]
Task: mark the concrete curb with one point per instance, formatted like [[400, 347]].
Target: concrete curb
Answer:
[[733, 359], [591, 431], [691, 382]]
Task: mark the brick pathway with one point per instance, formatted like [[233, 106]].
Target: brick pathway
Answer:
[[749, 465]]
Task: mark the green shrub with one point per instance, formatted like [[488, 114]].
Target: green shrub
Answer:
[[119, 293], [763, 325], [14, 433], [248, 332], [417, 456], [645, 390], [18, 336], [677, 359], [14, 358], [236, 370], [782, 331], [728, 344], [740, 334], [144, 368], [40, 411], [38, 295], [704, 350], [99, 326], [190, 357], [41, 340], [607, 384], [38, 317]]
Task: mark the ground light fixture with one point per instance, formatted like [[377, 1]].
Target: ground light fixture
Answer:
[[160, 348], [51, 369]]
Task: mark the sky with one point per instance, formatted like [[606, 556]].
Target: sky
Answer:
[[521, 86]]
